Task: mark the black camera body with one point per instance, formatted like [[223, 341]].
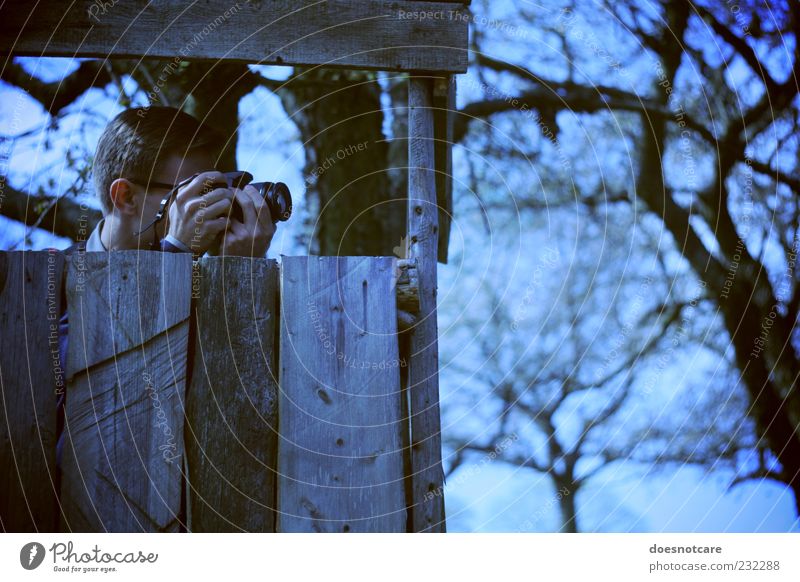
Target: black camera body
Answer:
[[276, 194]]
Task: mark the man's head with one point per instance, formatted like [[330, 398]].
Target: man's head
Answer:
[[149, 145], [141, 156]]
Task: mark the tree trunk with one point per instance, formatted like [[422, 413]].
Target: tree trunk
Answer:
[[565, 492], [213, 92], [340, 120]]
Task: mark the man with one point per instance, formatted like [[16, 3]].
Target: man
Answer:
[[141, 156]]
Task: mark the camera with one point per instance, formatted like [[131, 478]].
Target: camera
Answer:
[[275, 194]]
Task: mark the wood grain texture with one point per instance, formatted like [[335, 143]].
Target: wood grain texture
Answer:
[[375, 34], [31, 377], [232, 402], [444, 103], [423, 372], [340, 453], [128, 340]]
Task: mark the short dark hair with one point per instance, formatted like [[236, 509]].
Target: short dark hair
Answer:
[[137, 141]]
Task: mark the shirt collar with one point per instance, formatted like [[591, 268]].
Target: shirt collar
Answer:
[[94, 244]]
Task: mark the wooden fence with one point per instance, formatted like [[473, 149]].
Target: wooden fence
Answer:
[[226, 394]]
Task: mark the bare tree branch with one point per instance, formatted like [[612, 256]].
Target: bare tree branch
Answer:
[[64, 218], [792, 181], [552, 95], [739, 45], [57, 95]]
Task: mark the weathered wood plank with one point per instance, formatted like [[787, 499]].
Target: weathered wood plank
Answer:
[[232, 402], [423, 372], [377, 34], [128, 339], [444, 103], [340, 452], [31, 378]]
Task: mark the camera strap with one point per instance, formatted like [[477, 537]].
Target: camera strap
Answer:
[[162, 209]]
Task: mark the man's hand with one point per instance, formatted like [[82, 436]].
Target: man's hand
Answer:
[[198, 219], [252, 237]]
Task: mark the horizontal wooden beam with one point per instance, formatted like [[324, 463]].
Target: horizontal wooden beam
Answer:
[[370, 34]]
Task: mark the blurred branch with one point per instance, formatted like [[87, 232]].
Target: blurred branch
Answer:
[[61, 216], [33, 131], [456, 460], [557, 96], [144, 70], [739, 45], [761, 473], [532, 204], [519, 460], [57, 95], [699, 447], [777, 95], [622, 394], [651, 185], [792, 181]]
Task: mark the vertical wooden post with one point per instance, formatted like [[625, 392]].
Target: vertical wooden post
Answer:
[[423, 374], [444, 102], [232, 402], [31, 377]]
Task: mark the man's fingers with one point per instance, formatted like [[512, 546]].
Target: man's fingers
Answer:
[[215, 225], [213, 203], [217, 195], [234, 236], [200, 182], [237, 230], [262, 208], [248, 208], [220, 208], [258, 199]]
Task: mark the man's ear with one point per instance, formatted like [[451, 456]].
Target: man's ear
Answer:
[[123, 197]]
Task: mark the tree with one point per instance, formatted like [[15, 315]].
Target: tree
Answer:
[[358, 209], [707, 161], [567, 361]]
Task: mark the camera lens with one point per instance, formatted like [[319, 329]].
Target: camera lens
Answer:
[[282, 201], [278, 198]]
